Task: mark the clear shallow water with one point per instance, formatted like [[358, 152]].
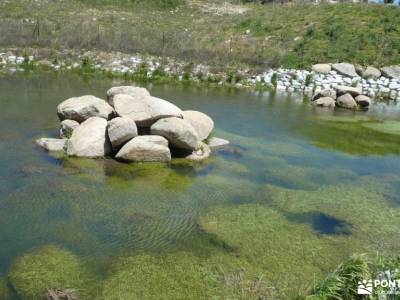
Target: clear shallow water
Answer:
[[292, 172]]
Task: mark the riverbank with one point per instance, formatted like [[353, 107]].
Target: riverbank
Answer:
[[164, 69]]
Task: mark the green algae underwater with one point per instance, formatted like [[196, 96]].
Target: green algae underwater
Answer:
[[298, 191]]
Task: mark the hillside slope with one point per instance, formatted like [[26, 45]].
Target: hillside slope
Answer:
[[217, 34]]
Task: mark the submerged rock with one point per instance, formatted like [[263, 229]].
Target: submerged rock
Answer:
[[324, 102], [216, 142], [325, 93], [179, 132], [83, 108], [345, 69], [347, 101], [127, 90], [363, 101], [202, 123], [201, 153], [90, 139], [52, 144], [121, 130], [67, 127], [143, 148]]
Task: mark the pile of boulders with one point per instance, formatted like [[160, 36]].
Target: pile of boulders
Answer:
[[376, 83], [342, 96], [131, 126]]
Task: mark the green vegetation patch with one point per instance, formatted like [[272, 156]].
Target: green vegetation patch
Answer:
[[389, 127], [48, 267], [177, 276], [342, 283], [183, 275], [354, 136], [299, 236], [295, 35], [4, 290]]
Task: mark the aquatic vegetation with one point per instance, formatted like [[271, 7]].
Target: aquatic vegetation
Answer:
[[297, 236], [343, 282], [49, 267], [344, 117], [354, 137], [4, 290], [175, 276], [182, 275], [287, 255], [389, 127]]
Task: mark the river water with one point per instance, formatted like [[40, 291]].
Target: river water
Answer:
[[296, 192]]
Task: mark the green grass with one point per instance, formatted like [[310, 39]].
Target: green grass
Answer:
[[289, 35]]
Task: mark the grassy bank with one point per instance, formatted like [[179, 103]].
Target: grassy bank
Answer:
[[229, 36]]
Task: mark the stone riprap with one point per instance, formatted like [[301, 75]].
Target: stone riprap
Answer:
[[101, 128], [376, 83]]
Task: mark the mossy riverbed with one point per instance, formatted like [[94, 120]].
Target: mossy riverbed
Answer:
[[296, 193]]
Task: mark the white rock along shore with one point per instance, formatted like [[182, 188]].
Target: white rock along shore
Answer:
[[375, 83]]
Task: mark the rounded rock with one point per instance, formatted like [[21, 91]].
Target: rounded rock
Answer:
[[121, 130], [179, 132], [67, 127], [83, 108], [347, 101], [324, 102], [145, 149], [202, 123], [127, 90], [90, 139]]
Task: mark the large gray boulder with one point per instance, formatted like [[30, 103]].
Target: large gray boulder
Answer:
[[202, 152], [363, 101], [346, 101], [391, 72], [67, 127], [121, 130], [322, 68], [354, 91], [144, 110], [90, 139], [52, 144], [325, 93], [145, 149], [324, 102], [371, 72], [179, 132], [83, 108], [345, 69], [127, 90], [202, 123]]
